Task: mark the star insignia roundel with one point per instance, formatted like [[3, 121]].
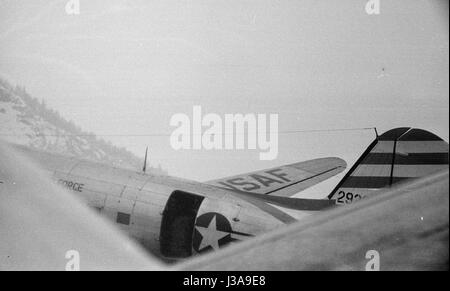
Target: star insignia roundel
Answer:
[[212, 231]]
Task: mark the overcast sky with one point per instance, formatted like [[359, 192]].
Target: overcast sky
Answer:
[[125, 67]]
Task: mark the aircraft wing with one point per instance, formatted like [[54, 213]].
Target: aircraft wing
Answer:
[[285, 180], [42, 227]]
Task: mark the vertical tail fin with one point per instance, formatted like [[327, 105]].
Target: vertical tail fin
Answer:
[[395, 156]]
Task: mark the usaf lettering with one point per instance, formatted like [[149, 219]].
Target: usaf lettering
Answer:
[[257, 181]]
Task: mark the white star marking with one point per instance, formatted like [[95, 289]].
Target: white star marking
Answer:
[[210, 235]]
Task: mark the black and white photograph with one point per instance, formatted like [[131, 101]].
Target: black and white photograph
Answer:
[[224, 139]]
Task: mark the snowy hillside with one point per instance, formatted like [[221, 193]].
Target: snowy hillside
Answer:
[[24, 120]]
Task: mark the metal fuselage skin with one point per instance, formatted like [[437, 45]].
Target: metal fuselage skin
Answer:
[[170, 217]]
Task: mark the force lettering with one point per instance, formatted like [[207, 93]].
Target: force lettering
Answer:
[[77, 187]]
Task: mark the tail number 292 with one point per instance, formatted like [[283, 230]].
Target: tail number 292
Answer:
[[347, 197]]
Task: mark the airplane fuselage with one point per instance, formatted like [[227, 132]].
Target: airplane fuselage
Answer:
[[170, 217]]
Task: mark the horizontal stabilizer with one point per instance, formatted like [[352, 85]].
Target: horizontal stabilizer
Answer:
[[302, 204]]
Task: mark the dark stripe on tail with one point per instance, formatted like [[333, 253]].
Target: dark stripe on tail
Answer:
[[416, 134], [394, 134], [397, 154], [353, 168], [409, 159]]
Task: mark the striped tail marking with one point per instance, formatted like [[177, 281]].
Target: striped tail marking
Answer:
[[396, 156]]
